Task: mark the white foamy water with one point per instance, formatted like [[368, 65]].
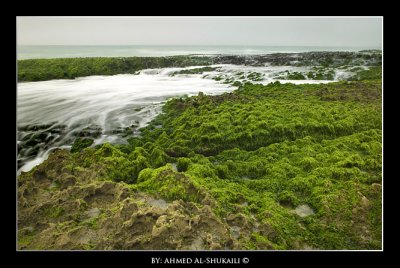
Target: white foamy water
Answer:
[[40, 158], [104, 100], [270, 74], [109, 103]]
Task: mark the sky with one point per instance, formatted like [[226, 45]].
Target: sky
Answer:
[[241, 31]]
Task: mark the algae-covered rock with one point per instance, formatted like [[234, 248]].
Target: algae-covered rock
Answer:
[[84, 212], [81, 143], [222, 172]]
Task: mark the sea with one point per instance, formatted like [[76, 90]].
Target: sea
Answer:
[[56, 51]]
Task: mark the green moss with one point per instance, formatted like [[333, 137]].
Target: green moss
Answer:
[[259, 152], [254, 76], [217, 78], [321, 73], [308, 163], [288, 198], [24, 241], [260, 239], [158, 158], [81, 143], [195, 71], [168, 184], [93, 223], [372, 73], [183, 164], [296, 76], [70, 68], [88, 247], [54, 212]]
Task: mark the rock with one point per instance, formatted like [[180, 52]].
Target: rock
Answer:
[[160, 226], [237, 219], [27, 230], [235, 232], [376, 186], [67, 182], [304, 211], [53, 186], [81, 143], [128, 209], [39, 175], [159, 203], [267, 214], [364, 202], [215, 246], [92, 213], [197, 244]]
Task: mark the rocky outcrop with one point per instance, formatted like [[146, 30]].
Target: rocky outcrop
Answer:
[[62, 208]]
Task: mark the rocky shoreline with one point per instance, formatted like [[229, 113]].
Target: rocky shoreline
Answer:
[[70, 68], [34, 139], [276, 166]]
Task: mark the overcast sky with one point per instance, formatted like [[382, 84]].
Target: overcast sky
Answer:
[[268, 31]]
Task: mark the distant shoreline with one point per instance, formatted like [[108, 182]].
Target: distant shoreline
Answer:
[[62, 51], [70, 68]]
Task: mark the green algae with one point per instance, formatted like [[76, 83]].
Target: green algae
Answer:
[[255, 154], [195, 71], [168, 184], [81, 143], [54, 212], [25, 240], [372, 73], [70, 68]]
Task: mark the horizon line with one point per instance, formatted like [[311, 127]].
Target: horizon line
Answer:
[[194, 45]]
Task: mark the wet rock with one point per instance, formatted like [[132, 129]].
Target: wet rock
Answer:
[[90, 131], [322, 58], [81, 143]]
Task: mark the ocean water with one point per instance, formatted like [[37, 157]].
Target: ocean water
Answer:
[[35, 52]]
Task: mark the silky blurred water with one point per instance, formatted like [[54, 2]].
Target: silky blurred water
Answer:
[[107, 102]]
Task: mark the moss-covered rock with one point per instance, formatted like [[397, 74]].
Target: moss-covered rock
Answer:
[[222, 172], [81, 143]]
